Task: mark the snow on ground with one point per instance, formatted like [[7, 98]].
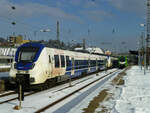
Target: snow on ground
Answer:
[[82, 99], [132, 97], [85, 102], [135, 96], [36, 101], [4, 74]]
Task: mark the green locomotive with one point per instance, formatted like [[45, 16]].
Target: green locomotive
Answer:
[[122, 62]]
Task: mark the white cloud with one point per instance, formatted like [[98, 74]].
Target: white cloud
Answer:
[[91, 4], [32, 9], [133, 6], [96, 15], [75, 2]]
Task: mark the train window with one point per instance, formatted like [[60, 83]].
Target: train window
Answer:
[[72, 60], [27, 53], [86, 63], [94, 63], [57, 63], [67, 61], [79, 63], [49, 58], [91, 63], [62, 61], [76, 64]]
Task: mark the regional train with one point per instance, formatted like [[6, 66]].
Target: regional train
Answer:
[[122, 62], [36, 64]]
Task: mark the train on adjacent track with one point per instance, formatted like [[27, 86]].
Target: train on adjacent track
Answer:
[[37, 65], [122, 62]]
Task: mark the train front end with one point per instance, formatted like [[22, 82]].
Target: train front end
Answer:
[[23, 68], [123, 62]]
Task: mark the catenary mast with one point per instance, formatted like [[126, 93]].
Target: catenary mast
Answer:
[[148, 33]]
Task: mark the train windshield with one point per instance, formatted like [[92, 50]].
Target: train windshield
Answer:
[[122, 59], [27, 54]]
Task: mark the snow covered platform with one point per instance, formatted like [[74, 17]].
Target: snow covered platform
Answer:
[[132, 95], [135, 95]]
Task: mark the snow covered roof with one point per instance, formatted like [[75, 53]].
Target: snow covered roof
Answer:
[[91, 50], [80, 48], [95, 50]]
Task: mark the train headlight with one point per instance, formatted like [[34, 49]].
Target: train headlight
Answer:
[[122, 62]]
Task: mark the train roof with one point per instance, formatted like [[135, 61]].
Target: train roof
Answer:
[[41, 46], [33, 44]]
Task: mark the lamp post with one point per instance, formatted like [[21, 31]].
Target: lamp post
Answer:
[[45, 30], [138, 47], [42, 30], [144, 46], [113, 40], [13, 23]]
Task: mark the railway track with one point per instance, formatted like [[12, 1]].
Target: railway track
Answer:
[[31, 93], [11, 99], [7, 94], [70, 94], [60, 83]]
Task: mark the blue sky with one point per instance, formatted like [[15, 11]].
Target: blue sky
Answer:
[[76, 17]]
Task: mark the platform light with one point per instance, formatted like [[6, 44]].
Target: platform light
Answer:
[[45, 30]]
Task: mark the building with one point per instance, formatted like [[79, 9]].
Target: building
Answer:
[[17, 40]]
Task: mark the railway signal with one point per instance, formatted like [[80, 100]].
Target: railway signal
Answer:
[[20, 82], [21, 93], [20, 97]]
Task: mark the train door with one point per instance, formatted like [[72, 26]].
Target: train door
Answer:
[[50, 66], [72, 70]]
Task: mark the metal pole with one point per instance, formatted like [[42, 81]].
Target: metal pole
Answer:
[[20, 95], [58, 31], [35, 32], [148, 33], [142, 50], [139, 53], [18, 107], [145, 61]]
